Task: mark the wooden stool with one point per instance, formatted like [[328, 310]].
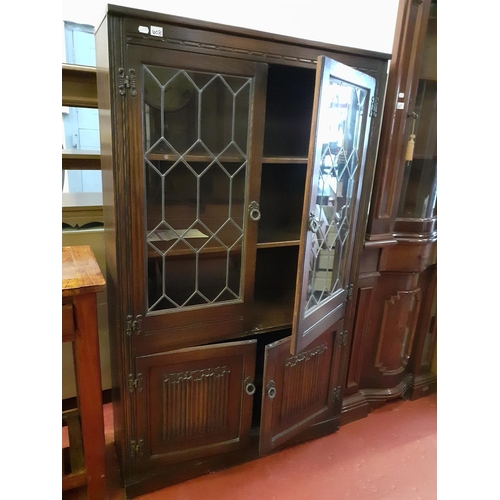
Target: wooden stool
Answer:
[[81, 281]]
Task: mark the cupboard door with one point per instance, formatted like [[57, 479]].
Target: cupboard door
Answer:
[[298, 391], [194, 402], [337, 152], [195, 140]]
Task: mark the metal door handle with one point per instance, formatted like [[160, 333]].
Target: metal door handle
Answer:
[[249, 386], [253, 210], [271, 390]]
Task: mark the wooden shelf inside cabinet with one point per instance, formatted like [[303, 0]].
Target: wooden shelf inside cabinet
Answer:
[[79, 86], [193, 158], [285, 160], [269, 316], [179, 243], [209, 251], [78, 159], [286, 242]]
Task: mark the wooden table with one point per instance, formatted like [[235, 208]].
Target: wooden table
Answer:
[[81, 281]]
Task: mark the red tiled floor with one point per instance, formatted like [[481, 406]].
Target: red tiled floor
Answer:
[[389, 455]]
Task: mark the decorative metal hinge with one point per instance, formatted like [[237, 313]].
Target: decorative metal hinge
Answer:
[[134, 383], [134, 325], [336, 392], [343, 338], [349, 292], [137, 448], [374, 107], [126, 81]]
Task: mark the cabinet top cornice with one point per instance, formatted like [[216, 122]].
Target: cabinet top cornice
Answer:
[[121, 11]]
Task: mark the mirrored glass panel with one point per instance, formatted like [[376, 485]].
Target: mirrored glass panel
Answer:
[[339, 134], [196, 139]]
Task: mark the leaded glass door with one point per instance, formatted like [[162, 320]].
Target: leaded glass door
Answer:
[[193, 240], [339, 138]]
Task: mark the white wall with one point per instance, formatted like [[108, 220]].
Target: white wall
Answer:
[[366, 24]]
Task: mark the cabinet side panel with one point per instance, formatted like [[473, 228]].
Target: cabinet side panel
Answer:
[[361, 326], [109, 217]]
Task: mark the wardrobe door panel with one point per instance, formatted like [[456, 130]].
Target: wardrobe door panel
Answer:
[[194, 167], [194, 402], [337, 153]]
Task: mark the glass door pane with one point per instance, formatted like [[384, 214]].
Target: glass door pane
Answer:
[[196, 150], [339, 126], [340, 132], [417, 211]]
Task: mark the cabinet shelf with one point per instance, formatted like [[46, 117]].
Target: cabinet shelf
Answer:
[[268, 316], [192, 158], [211, 246], [280, 243], [79, 86], [78, 159], [296, 160], [423, 156], [209, 251]]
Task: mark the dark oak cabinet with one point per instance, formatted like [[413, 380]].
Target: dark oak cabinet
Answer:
[[237, 174], [394, 334]]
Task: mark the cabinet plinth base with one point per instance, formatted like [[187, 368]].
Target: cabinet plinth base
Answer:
[[423, 385], [360, 404]]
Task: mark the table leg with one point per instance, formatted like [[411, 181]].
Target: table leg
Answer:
[[88, 381]]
